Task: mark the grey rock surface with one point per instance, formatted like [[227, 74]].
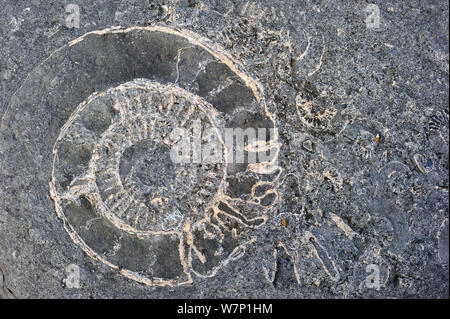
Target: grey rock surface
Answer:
[[356, 206]]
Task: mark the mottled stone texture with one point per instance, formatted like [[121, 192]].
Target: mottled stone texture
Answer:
[[361, 183]]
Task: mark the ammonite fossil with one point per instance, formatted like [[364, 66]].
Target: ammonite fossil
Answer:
[[103, 111]]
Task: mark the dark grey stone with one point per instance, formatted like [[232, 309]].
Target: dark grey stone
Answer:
[[362, 174]]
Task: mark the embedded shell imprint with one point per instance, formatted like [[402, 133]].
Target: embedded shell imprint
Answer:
[[103, 107]]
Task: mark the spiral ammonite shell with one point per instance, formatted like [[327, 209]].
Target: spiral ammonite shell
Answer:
[[131, 177], [103, 108]]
